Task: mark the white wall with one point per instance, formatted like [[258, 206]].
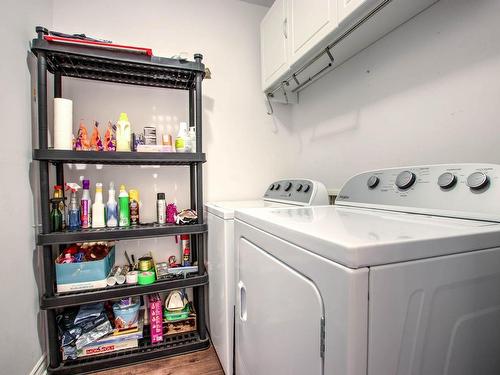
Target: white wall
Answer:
[[239, 138], [428, 92], [20, 317]]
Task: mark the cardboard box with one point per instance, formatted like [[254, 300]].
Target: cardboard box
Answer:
[[72, 277]]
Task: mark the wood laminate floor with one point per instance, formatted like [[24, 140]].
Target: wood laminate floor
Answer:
[[204, 362]]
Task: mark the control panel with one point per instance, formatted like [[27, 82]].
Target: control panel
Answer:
[[297, 191], [469, 191]]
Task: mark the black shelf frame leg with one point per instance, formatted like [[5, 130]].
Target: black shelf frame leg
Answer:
[[47, 255], [199, 292]]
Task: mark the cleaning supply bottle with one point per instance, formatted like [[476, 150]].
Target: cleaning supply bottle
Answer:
[[123, 203], [55, 217], [182, 140], [58, 194], [192, 138], [98, 208], [123, 133], [161, 208], [134, 206], [86, 205], [111, 207], [74, 222]]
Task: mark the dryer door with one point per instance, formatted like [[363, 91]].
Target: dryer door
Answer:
[[278, 317]]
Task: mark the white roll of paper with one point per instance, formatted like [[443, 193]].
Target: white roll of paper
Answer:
[[63, 124]]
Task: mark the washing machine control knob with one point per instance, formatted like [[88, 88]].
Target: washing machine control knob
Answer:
[[299, 187], [477, 180], [307, 187], [288, 186], [277, 187], [405, 179], [372, 181], [447, 180], [271, 187]]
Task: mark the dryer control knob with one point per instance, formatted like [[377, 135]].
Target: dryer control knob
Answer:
[[477, 180], [299, 187], [405, 179], [372, 181], [288, 186], [307, 187], [271, 187], [277, 187], [447, 180]]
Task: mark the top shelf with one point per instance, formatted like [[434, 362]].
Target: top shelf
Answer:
[[118, 66]]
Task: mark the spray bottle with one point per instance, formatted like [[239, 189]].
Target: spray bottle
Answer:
[[123, 203], [86, 205], [98, 208], [73, 222], [111, 208]]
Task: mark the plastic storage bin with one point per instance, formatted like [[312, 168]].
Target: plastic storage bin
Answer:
[[72, 277]]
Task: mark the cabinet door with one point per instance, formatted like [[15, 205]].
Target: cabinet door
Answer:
[[310, 22], [273, 44], [346, 7]]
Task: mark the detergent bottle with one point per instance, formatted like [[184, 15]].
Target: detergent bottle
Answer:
[[123, 133]]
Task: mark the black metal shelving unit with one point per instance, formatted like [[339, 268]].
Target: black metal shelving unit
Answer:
[[64, 60]]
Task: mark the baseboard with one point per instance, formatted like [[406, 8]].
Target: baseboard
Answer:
[[40, 367]]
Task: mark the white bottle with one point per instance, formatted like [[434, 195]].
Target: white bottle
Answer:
[[98, 208], [182, 140], [192, 138], [111, 207]]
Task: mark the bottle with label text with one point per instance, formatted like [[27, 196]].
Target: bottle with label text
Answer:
[[161, 209], [86, 205], [123, 207], [182, 140], [134, 206]]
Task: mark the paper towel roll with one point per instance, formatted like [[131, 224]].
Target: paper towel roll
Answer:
[[63, 124]]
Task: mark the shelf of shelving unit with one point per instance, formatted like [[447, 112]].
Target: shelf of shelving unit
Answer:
[[120, 67], [124, 67], [119, 291], [118, 158], [118, 233], [172, 345]]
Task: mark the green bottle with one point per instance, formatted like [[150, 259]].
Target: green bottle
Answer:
[[55, 218], [123, 207]]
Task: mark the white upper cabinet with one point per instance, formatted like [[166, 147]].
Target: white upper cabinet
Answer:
[[347, 7], [310, 21], [273, 43]]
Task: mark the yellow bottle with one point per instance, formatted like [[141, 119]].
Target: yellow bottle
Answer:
[[123, 133]]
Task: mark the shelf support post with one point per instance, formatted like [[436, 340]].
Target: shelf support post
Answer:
[[43, 143], [198, 113]]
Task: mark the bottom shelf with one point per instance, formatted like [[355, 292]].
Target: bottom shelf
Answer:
[[172, 345]]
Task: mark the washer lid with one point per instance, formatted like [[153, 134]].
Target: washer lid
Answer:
[[357, 237], [225, 209]]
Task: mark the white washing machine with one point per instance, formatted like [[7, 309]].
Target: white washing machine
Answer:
[[220, 257], [401, 276]]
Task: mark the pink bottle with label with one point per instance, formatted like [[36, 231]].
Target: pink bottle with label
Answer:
[[85, 205]]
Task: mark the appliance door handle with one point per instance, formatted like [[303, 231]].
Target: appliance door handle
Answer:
[[285, 33], [243, 301]]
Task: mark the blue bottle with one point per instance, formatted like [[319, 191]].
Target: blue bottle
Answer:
[[74, 221]]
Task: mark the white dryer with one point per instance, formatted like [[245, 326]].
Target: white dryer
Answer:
[[220, 257], [401, 276]]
